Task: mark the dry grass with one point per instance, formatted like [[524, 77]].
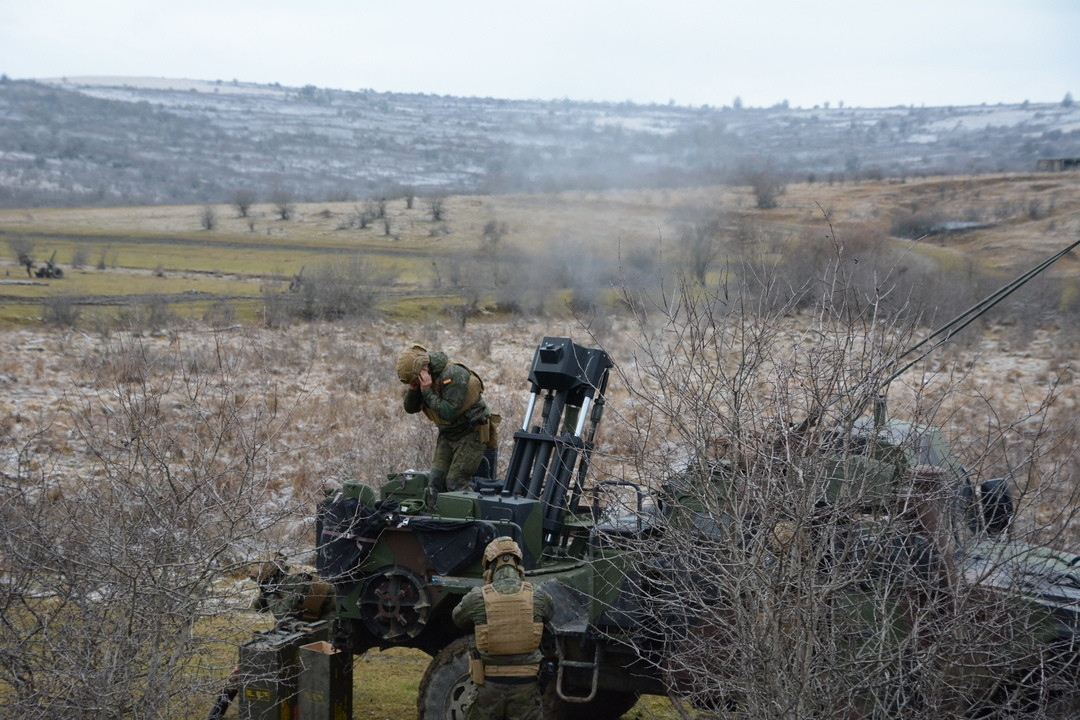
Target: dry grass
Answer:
[[333, 384], [1030, 214]]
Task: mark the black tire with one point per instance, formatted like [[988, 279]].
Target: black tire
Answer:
[[607, 705], [446, 689]]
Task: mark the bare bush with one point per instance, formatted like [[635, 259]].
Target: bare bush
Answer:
[[153, 316], [348, 290], [60, 310], [473, 283], [208, 217], [797, 565], [109, 571], [358, 219], [917, 223], [699, 240], [276, 305], [219, 315], [79, 256], [765, 183]]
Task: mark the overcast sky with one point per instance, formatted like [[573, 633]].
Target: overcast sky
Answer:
[[865, 53]]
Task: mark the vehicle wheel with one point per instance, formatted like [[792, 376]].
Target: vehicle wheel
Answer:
[[394, 604], [607, 705], [446, 690]]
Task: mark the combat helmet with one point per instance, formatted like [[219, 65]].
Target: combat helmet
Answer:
[[411, 361], [501, 551]]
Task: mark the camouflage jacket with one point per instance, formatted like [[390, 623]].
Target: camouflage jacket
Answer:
[[470, 612], [444, 400]]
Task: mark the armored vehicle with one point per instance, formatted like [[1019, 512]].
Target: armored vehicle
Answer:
[[399, 561], [399, 566]]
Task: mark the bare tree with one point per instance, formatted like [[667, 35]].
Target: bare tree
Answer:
[[765, 183], [79, 256], [358, 218], [492, 235], [436, 208], [493, 251], [472, 296], [283, 204], [699, 239], [242, 200], [373, 210]]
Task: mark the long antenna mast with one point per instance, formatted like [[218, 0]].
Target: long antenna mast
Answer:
[[972, 313]]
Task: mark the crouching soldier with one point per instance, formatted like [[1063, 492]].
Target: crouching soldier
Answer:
[[291, 593], [508, 618]]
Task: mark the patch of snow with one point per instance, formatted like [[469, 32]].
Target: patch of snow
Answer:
[[165, 84]]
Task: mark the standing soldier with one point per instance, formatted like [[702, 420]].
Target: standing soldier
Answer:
[[450, 395], [508, 618]]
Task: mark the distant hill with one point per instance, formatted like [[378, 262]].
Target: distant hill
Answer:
[[110, 141]]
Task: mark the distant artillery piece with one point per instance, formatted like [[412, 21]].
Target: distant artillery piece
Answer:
[[297, 281], [51, 270]]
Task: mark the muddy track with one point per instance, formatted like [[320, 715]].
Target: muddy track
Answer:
[[254, 245], [183, 297], [135, 299]]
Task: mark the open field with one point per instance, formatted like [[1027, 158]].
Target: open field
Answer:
[[323, 396], [337, 416], [130, 255]]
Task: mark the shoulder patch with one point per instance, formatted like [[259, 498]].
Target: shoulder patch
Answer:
[[447, 381]]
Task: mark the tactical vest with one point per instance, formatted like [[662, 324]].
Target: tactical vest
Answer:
[[472, 394], [510, 628]]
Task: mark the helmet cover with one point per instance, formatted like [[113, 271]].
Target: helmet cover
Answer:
[[502, 550], [411, 361]]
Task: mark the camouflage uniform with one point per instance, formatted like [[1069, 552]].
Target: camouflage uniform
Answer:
[[459, 447], [508, 698], [289, 592]]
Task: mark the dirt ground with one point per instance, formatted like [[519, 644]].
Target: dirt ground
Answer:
[[333, 384], [334, 390]]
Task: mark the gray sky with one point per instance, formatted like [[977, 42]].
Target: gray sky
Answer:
[[695, 52]]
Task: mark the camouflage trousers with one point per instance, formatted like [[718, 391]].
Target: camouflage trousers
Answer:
[[504, 701], [455, 462]]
